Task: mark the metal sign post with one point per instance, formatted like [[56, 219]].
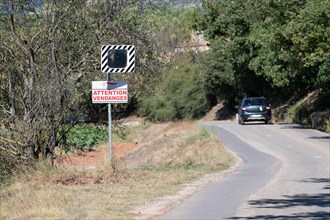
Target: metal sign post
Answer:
[[110, 133], [110, 125], [109, 92]]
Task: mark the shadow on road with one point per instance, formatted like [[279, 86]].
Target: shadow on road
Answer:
[[294, 126], [258, 123], [321, 200], [320, 180], [320, 137], [307, 215]]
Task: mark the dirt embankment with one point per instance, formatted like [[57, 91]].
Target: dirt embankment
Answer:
[[96, 157]]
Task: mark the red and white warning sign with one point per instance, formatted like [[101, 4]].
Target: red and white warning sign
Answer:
[[109, 92]]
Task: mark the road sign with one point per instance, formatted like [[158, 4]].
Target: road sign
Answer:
[[109, 92], [114, 59], [117, 58]]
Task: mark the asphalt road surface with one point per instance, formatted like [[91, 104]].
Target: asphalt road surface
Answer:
[[285, 175]]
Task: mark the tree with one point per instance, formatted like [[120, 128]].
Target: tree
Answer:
[[226, 72], [50, 54], [293, 43], [262, 47]]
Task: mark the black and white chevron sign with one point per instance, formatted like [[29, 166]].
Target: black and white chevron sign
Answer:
[[108, 50]]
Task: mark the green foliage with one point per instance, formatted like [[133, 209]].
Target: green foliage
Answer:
[[323, 79], [180, 96], [261, 47], [293, 42], [225, 69], [86, 135]]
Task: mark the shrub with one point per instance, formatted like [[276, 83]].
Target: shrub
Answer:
[[180, 95], [86, 135]]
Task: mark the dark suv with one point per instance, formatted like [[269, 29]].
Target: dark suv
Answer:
[[254, 109]]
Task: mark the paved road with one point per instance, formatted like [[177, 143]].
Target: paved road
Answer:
[[286, 175]]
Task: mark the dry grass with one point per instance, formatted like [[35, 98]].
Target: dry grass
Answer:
[[184, 153]]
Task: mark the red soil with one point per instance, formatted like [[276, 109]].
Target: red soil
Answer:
[[119, 149]]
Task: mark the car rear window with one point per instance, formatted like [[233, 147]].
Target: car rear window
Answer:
[[254, 101]]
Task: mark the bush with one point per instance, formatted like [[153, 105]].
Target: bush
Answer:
[[86, 135], [180, 95]]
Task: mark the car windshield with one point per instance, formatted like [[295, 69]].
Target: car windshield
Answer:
[[249, 102]]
